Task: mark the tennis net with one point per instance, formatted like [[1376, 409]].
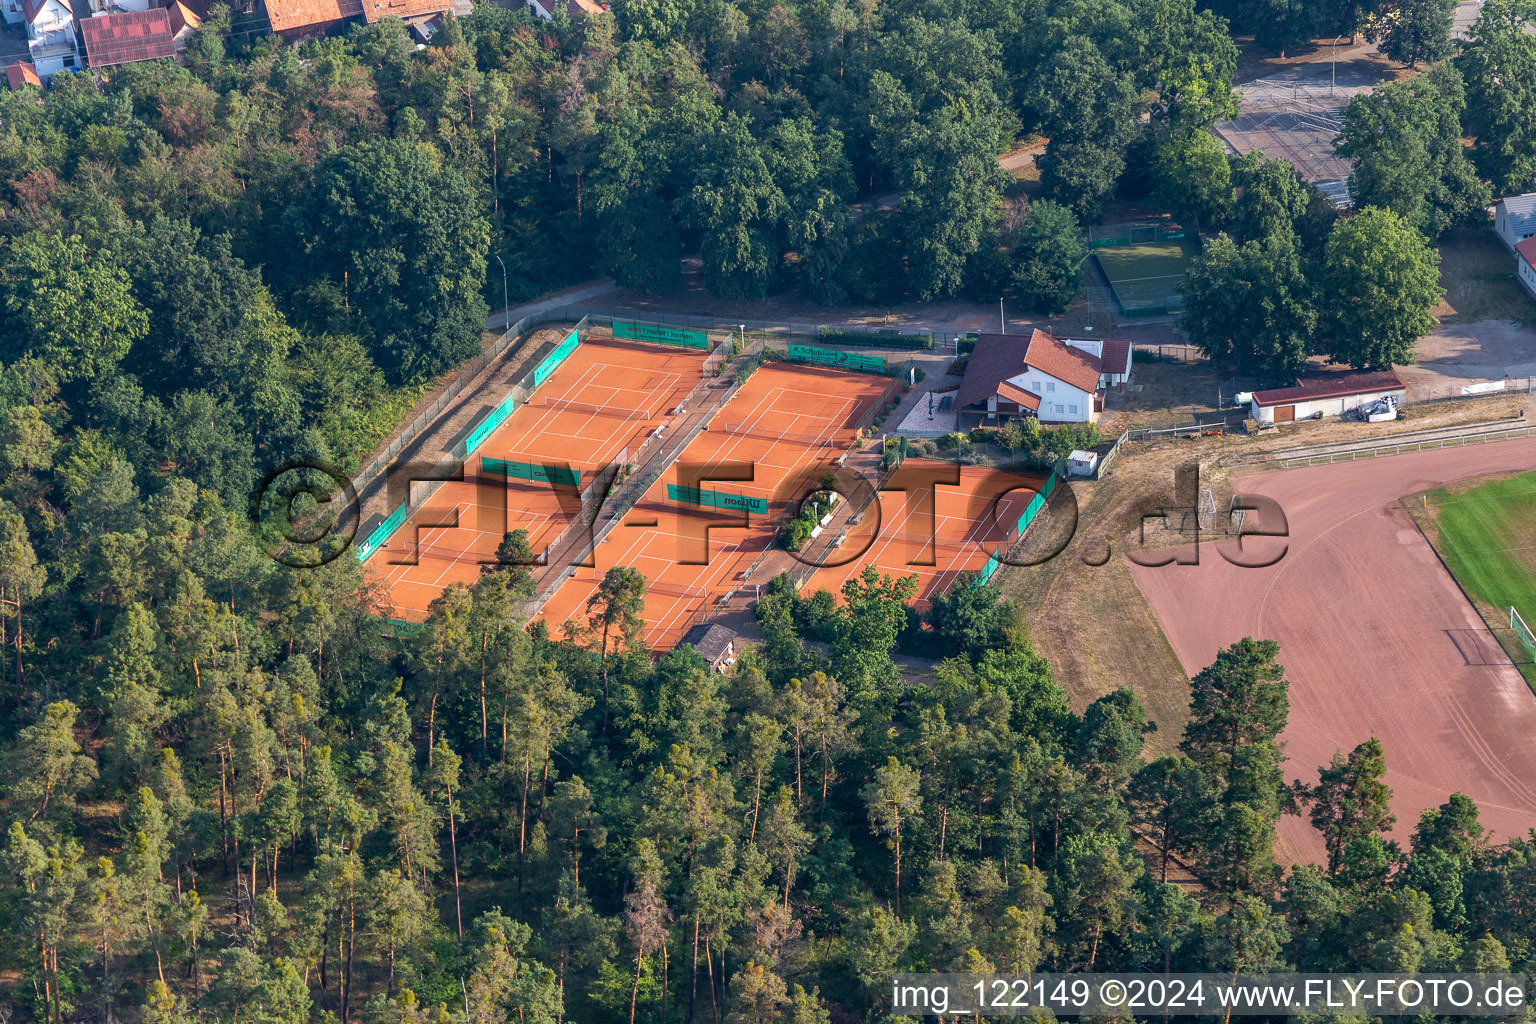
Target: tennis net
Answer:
[[623, 412], [781, 436], [414, 554], [918, 542], [674, 589]]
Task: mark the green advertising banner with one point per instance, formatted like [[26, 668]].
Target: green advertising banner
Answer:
[[487, 427], [531, 471], [717, 499], [631, 331], [838, 357], [555, 358], [383, 531]]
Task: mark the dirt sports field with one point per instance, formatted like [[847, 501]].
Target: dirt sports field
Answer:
[[606, 398], [787, 423], [1375, 636]]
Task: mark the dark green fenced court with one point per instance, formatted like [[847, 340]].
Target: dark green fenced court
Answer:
[[717, 499], [563, 475], [835, 357], [1146, 276]]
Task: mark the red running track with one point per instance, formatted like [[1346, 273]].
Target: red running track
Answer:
[[1375, 636]]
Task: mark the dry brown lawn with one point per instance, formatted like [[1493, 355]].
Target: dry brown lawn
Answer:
[[1478, 275]]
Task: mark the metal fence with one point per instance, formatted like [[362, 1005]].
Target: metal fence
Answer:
[[1477, 389], [1106, 236], [450, 394], [1390, 444], [1146, 351], [600, 316]]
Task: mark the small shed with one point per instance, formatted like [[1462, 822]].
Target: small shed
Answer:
[[1325, 394], [1514, 218], [715, 643], [1081, 463]]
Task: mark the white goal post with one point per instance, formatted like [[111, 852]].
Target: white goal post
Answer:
[[1517, 624]]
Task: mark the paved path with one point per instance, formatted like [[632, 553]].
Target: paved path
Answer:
[[576, 295]]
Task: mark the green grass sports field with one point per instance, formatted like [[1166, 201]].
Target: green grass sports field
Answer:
[[1488, 539], [1146, 274]]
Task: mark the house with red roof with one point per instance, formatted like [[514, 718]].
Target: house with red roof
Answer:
[[122, 37], [299, 19], [20, 73], [184, 22], [1525, 263], [1011, 376]]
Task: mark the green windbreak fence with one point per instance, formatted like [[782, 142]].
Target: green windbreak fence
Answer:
[[383, 531], [531, 471], [555, 358], [487, 427], [401, 629], [988, 570], [717, 499], [836, 357], [1036, 503], [632, 331]]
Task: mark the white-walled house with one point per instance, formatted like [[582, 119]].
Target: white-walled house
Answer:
[[1525, 264], [1015, 375], [51, 36], [1514, 218]]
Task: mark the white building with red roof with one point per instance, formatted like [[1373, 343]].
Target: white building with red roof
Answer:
[[1329, 393], [1052, 379], [1525, 263]]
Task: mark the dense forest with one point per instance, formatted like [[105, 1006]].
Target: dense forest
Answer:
[[230, 797]]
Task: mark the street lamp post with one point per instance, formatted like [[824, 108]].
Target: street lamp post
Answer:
[[1332, 82], [506, 308]]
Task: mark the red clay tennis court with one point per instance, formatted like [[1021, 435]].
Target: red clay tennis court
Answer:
[[786, 422], [930, 528], [605, 400]]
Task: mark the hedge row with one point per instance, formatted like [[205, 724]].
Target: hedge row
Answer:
[[874, 339]]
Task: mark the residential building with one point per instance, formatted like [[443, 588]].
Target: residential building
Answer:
[[545, 9], [299, 19], [1514, 218], [1114, 363], [1015, 375], [184, 22], [122, 37], [51, 36], [1525, 264], [715, 643], [408, 11], [21, 73]]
